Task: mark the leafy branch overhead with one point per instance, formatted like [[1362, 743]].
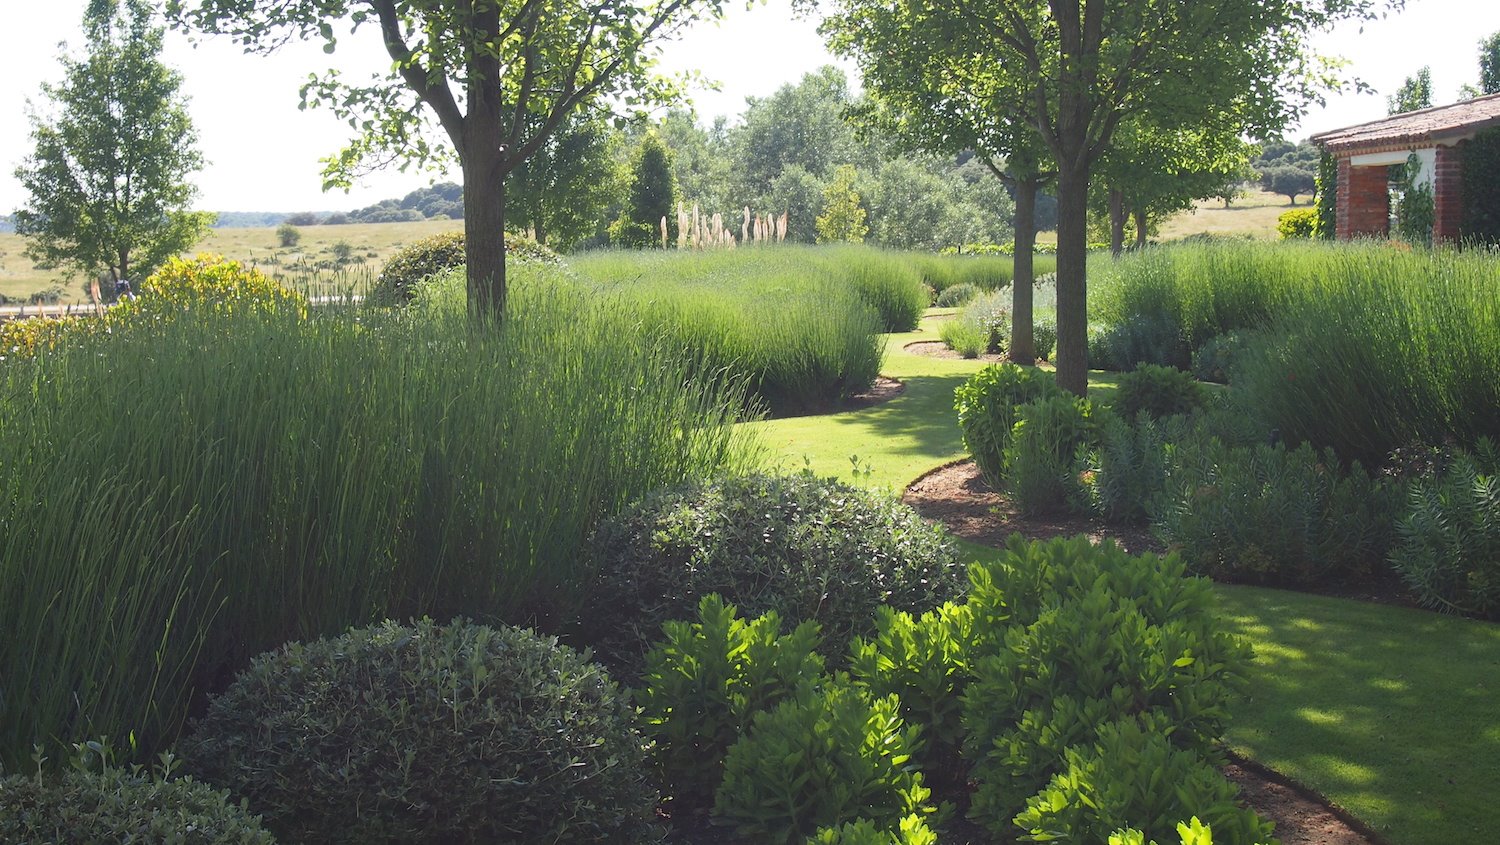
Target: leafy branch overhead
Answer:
[[497, 76]]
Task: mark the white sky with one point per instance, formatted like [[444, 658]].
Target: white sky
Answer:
[[263, 152]]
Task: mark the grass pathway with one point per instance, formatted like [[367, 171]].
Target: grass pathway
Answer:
[[1392, 714]]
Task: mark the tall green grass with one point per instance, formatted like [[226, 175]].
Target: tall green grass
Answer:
[[797, 323], [988, 272], [173, 502], [1360, 347]]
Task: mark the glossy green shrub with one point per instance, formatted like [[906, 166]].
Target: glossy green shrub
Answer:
[[1448, 541], [429, 734], [1191, 832], [1273, 515], [810, 548], [957, 295], [1157, 392], [912, 830], [924, 662], [705, 681], [1069, 637], [1132, 775], [986, 405], [1040, 456], [106, 804], [433, 255], [823, 758]]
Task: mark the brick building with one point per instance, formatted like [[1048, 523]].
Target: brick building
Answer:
[[1437, 136]]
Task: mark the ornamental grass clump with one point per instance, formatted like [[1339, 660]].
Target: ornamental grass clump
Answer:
[[457, 733], [981, 328], [208, 492]]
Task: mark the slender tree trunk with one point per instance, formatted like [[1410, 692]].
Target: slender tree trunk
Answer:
[[1142, 224], [1116, 222], [1072, 261], [1023, 277], [484, 238], [125, 265]]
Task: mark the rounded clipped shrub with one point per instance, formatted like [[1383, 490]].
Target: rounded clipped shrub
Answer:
[[1159, 392], [115, 805], [429, 734], [437, 253], [1044, 338], [986, 406], [957, 295], [811, 549]]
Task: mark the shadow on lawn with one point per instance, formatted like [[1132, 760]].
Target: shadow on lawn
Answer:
[[1401, 727]]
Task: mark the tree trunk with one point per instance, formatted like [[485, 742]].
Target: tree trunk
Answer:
[[1116, 222], [1142, 224], [1023, 277], [1072, 261]]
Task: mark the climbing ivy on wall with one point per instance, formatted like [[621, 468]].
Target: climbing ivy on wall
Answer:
[[1416, 212], [1328, 197], [1481, 192]]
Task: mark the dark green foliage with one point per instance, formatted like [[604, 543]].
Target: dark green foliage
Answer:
[[437, 253], [1070, 637], [1214, 360], [1274, 515], [1448, 546], [1143, 339], [1158, 392], [811, 549], [957, 295], [653, 196], [1126, 467], [1416, 210], [114, 805], [986, 405], [1044, 337], [441, 734], [1326, 227], [1039, 458], [1133, 775], [705, 681], [827, 756], [1481, 186], [288, 235], [1100, 355], [1290, 182]]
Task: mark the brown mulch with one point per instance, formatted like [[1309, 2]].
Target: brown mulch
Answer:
[[884, 389], [939, 349], [957, 496]]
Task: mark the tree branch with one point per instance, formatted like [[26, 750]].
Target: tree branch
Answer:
[[437, 94]]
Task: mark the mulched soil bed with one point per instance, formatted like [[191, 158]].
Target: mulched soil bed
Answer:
[[957, 496], [883, 390]]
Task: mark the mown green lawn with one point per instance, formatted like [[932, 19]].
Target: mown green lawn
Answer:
[[1391, 714]]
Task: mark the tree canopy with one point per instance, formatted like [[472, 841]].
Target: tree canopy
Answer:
[[1414, 94], [498, 76], [108, 178]]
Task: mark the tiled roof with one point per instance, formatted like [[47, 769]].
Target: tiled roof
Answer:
[[1416, 128]]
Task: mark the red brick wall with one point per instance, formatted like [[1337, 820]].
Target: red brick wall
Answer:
[[1363, 201], [1447, 194]]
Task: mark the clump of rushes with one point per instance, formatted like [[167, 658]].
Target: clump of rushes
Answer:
[[261, 477]]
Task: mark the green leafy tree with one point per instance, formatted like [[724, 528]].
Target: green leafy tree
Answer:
[[1414, 94], [923, 95], [1290, 182], [1074, 70], [800, 124], [1489, 65], [108, 177], [498, 76], [843, 218], [653, 197], [561, 191], [702, 163], [800, 195]]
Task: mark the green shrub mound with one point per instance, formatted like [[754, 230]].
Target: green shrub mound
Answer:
[[117, 805], [1274, 515], [1044, 337], [1191, 832], [981, 328], [1215, 359], [433, 255], [912, 830], [1040, 455], [1448, 541], [959, 294], [706, 679], [809, 548], [1157, 392], [986, 406], [1070, 637], [824, 756], [429, 734], [1132, 776]]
